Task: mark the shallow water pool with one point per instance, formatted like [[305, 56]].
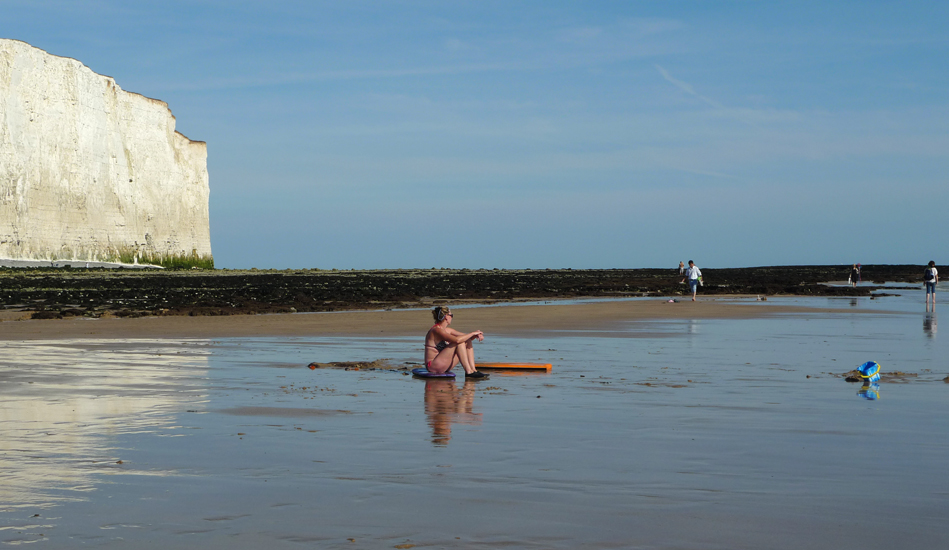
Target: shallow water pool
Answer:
[[670, 434]]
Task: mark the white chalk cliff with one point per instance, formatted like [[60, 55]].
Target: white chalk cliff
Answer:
[[91, 172]]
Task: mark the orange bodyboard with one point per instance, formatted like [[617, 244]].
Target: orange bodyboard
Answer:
[[518, 366]]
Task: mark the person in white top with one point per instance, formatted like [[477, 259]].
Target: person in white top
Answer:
[[930, 278], [695, 275]]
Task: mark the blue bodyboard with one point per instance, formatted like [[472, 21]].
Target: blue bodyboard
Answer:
[[423, 373]]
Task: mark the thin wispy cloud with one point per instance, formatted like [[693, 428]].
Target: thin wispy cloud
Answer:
[[264, 81], [709, 173], [687, 88]]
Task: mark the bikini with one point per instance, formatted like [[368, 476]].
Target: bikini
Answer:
[[437, 347]]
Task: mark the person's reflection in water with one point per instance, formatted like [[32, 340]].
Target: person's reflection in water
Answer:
[[446, 404], [929, 324]]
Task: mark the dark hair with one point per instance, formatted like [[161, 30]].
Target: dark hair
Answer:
[[440, 312], [932, 263]]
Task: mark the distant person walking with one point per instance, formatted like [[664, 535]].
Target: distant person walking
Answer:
[[854, 275], [694, 275], [930, 278], [682, 272]]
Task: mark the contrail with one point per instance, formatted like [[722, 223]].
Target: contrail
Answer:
[[687, 88]]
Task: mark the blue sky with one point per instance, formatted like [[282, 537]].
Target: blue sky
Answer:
[[542, 134]]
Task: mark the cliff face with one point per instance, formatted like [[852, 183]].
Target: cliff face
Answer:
[[89, 171]]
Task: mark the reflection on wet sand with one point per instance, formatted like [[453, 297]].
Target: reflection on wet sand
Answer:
[[929, 324], [445, 404], [869, 391], [63, 403]]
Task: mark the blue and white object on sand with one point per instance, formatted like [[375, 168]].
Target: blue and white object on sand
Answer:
[[423, 373], [870, 371]]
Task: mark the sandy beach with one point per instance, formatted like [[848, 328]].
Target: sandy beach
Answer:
[[724, 423], [510, 319]]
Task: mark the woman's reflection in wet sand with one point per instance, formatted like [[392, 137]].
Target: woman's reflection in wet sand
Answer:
[[445, 404]]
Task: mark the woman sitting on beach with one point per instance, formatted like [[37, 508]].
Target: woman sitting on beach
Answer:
[[446, 347]]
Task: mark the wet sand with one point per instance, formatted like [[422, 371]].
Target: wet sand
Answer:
[[717, 424], [501, 320]]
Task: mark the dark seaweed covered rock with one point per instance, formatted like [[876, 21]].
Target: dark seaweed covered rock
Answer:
[[54, 293]]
